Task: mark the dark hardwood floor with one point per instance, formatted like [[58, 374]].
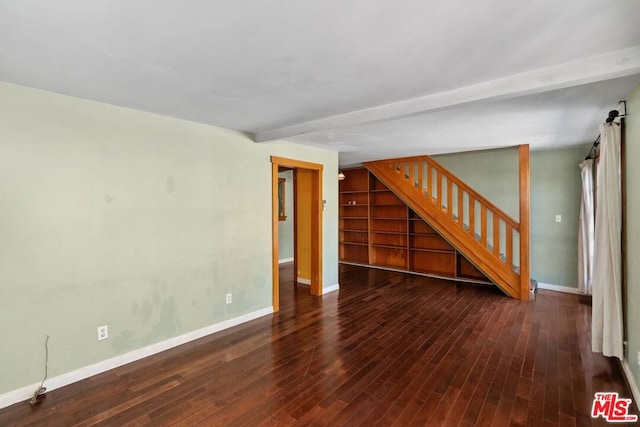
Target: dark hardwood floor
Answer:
[[389, 349]]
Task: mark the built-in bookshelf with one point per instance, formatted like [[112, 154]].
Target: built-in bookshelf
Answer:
[[378, 229], [388, 227], [354, 217], [429, 252]]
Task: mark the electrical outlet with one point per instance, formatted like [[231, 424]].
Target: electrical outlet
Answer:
[[103, 332], [229, 298], [639, 358], [558, 218]]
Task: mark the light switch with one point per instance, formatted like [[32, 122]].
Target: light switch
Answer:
[[558, 218]]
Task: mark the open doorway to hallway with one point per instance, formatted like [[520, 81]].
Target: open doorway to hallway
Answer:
[[306, 236], [286, 216]]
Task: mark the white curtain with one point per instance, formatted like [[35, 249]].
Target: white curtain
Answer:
[[586, 231], [606, 327]]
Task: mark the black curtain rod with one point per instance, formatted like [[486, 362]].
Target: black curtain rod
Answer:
[[593, 148], [612, 115]]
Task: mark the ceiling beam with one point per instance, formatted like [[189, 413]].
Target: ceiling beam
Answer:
[[607, 66]]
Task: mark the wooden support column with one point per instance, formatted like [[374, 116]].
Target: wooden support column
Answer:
[[525, 220]]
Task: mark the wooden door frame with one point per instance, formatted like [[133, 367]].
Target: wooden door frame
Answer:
[[316, 224]]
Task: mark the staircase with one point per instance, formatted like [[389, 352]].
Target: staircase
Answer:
[[488, 237]]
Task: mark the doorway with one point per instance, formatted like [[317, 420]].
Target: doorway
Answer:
[[312, 209]]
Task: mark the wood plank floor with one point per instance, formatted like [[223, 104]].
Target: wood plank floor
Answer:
[[388, 349]]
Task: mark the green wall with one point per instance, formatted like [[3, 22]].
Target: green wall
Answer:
[[114, 216], [632, 123], [555, 189]]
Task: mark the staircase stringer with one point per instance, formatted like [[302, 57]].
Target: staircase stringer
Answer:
[[453, 230]]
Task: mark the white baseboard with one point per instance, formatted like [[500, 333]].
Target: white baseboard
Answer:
[[331, 288], [631, 380], [303, 281], [283, 260], [25, 393], [558, 288]]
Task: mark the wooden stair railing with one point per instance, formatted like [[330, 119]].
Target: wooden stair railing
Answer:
[[476, 227]]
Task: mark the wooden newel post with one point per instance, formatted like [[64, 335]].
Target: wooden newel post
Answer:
[[525, 221]]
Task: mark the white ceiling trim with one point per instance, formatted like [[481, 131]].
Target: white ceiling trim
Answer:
[[611, 65]]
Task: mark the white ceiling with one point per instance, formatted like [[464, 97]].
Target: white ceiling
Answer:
[[370, 78]]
